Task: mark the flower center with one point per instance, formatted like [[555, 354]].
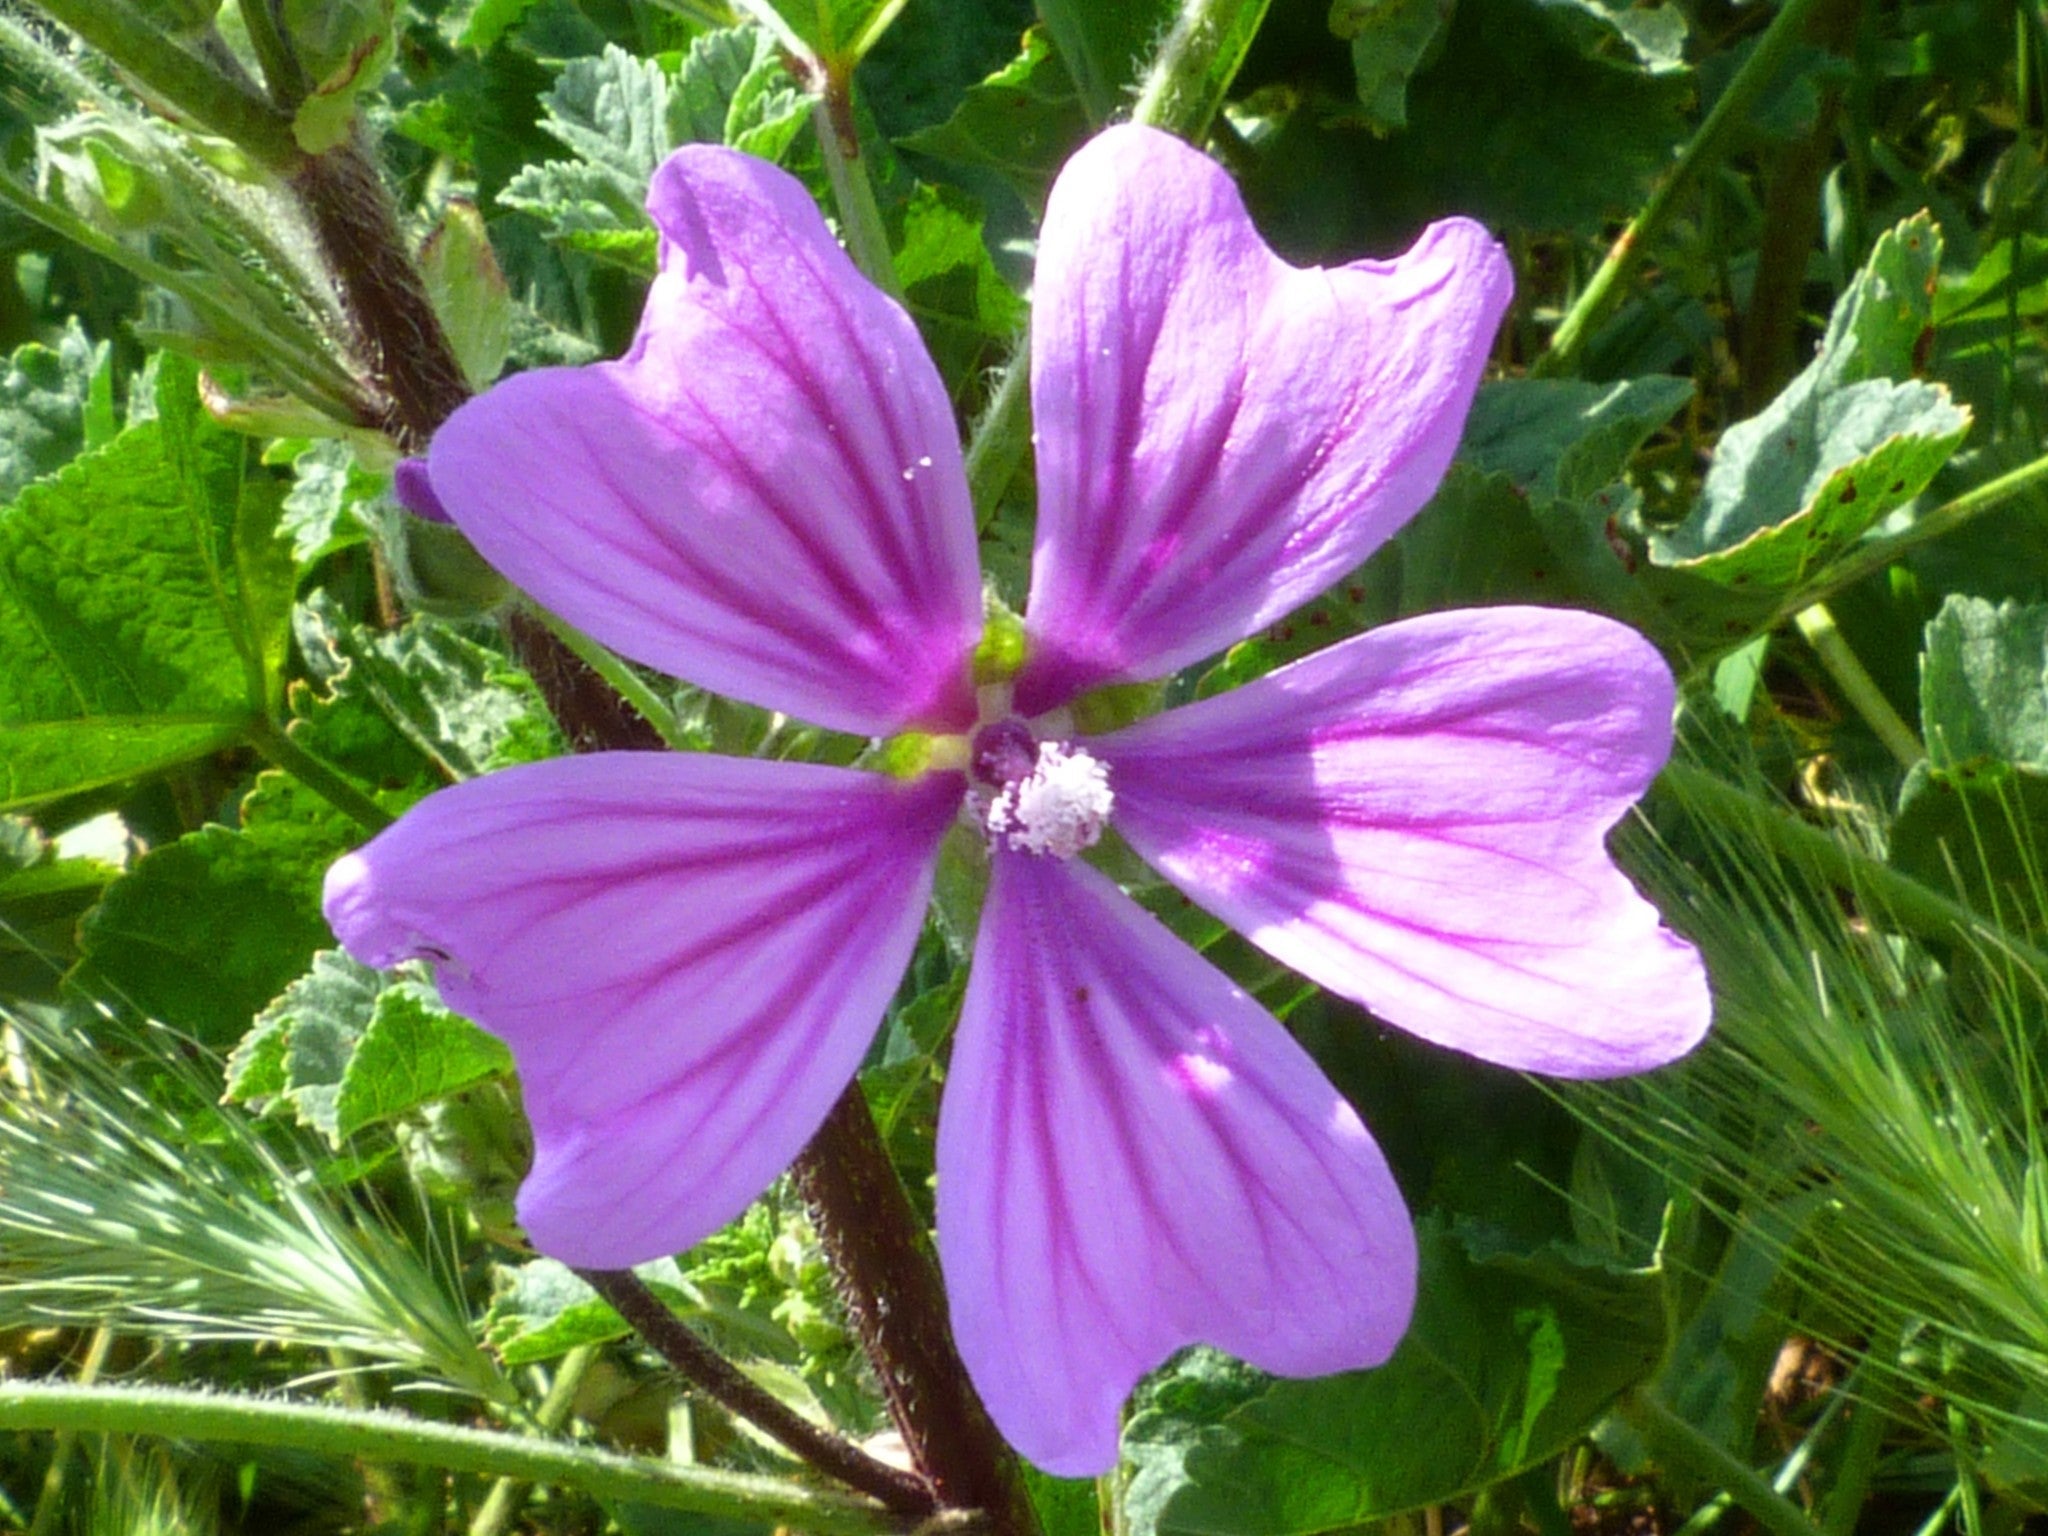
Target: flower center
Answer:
[[1043, 797]]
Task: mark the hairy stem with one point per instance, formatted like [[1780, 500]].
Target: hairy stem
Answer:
[[671, 1338], [382, 1437], [891, 1290], [186, 82], [1702, 150]]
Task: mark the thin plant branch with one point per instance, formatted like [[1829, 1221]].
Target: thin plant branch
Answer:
[[669, 1336]]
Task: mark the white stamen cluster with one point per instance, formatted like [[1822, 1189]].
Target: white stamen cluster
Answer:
[[1059, 807]]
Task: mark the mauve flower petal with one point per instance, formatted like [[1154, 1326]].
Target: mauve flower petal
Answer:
[[1221, 435], [1134, 1156], [1415, 819], [765, 495], [687, 954], [412, 486]]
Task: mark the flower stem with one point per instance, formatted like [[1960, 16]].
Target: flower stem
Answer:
[[322, 778], [181, 79], [1731, 109], [853, 190], [502, 1502], [901, 1492], [890, 1287], [621, 678], [1912, 906], [380, 1436], [1817, 624]]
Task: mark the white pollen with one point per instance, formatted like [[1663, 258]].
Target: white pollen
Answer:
[[1059, 807]]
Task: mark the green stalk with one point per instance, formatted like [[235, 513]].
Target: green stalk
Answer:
[[626, 682], [1915, 907], [323, 779], [1857, 685], [1872, 556], [183, 79], [1180, 93], [378, 1436], [853, 190], [1673, 1438], [50, 1502], [274, 54], [1604, 292], [502, 1503]]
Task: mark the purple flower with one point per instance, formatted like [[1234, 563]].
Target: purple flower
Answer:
[[689, 954]]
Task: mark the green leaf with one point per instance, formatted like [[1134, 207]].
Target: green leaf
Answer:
[[143, 599], [1390, 40], [542, 1310], [469, 292], [320, 511], [1564, 439], [336, 995], [623, 115], [413, 1052], [43, 397], [202, 933], [1021, 122], [345, 46], [1508, 1361], [967, 314], [1984, 683], [1842, 446], [462, 706], [42, 898]]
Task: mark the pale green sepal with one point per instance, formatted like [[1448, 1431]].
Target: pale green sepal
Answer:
[[1000, 654], [1117, 705]]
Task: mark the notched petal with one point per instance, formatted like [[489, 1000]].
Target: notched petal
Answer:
[[687, 954], [764, 496], [1416, 819], [1134, 1156], [1223, 435]]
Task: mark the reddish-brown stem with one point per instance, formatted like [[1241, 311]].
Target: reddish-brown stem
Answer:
[[902, 1492], [892, 1294], [870, 1234]]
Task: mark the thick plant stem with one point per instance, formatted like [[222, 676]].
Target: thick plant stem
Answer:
[[892, 1295], [671, 1338], [398, 334], [381, 1437], [1604, 292]]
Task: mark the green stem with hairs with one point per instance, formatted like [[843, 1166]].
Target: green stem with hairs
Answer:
[[502, 1502], [1817, 624], [1912, 906], [1672, 1438], [623, 679], [322, 778], [853, 190], [183, 80], [49, 1513], [379, 1436], [1702, 150], [1180, 93]]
